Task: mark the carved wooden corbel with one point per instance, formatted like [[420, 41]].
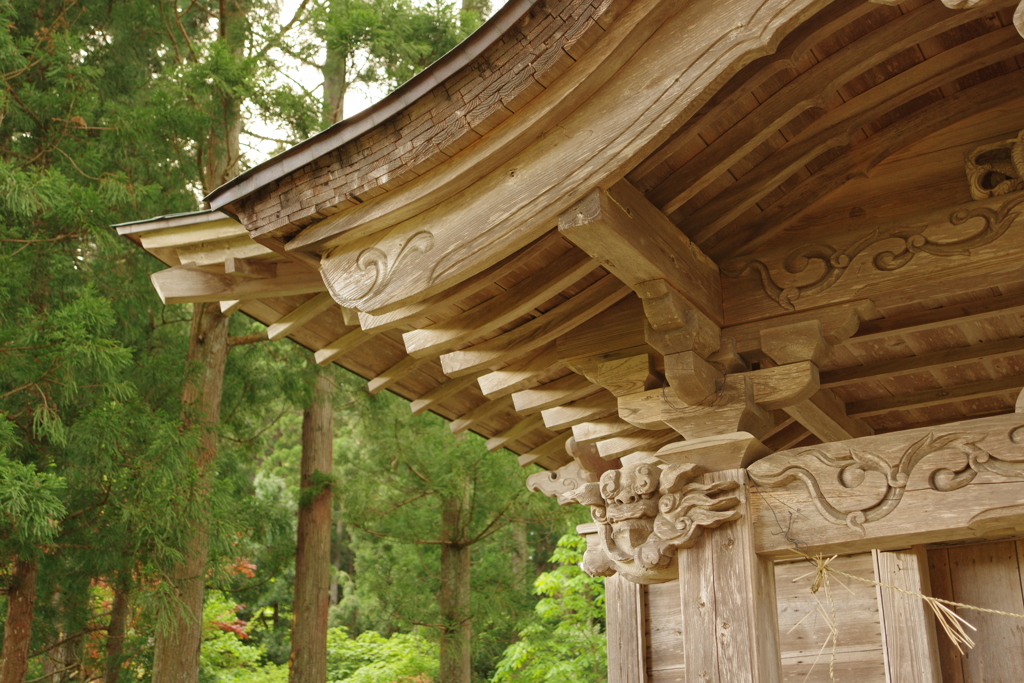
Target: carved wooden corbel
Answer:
[[648, 511], [996, 169]]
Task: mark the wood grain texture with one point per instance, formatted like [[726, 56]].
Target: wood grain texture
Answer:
[[729, 614], [625, 610], [672, 73], [536, 333], [908, 624], [192, 284], [804, 630], [853, 509], [637, 243]]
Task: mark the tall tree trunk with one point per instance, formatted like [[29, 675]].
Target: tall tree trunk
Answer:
[[176, 654], [222, 155], [335, 75], [115, 632], [308, 661], [336, 560], [520, 553], [21, 602], [453, 601]]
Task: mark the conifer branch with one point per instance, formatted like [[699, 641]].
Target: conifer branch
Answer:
[[244, 339]]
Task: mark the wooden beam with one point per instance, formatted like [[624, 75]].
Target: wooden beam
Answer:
[[395, 373], [482, 412], [250, 268], [557, 392], [944, 316], [604, 428], [838, 324], [520, 374], [680, 63], [809, 90], [936, 484], [825, 416], [746, 236], [191, 284], [218, 229], [838, 126], [515, 432], [637, 243], [299, 316], [927, 361], [515, 302], [537, 332], [464, 290], [908, 624], [341, 346], [550, 454], [644, 440], [229, 307], [771, 388], [593, 407], [440, 393], [1000, 386]]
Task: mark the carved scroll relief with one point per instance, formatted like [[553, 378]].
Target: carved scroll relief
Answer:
[[996, 169], [856, 485], [644, 512], [814, 268]]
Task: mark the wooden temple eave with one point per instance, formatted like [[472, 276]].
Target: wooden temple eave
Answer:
[[479, 309], [759, 258]]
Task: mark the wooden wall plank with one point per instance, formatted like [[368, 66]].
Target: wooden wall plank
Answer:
[[912, 650], [803, 629], [624, 604], [988, 575]]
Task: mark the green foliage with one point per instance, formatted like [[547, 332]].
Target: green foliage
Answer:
[[225, 657], [565, 641], [373, 658], [30, 501]]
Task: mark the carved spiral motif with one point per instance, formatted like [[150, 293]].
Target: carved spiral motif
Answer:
[[834, 264], [855, 464]]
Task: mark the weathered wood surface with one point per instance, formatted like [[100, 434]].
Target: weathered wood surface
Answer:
[[192, 284], [500, 310], [804, 629], [624, 604], [300, 316], [954, 481], [908, 624], [696, 45], [987, 575], [956, 249], [537, 332], [637, 243], [727, 594]]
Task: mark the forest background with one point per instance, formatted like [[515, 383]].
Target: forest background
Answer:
[[135, 471]]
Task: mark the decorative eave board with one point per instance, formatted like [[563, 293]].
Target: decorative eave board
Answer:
[[656, 232]]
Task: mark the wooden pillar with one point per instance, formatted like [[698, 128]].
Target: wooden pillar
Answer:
[[626, 621], [727, 593], [908, 625]]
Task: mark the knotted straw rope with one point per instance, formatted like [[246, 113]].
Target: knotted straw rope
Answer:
[[952, 623]]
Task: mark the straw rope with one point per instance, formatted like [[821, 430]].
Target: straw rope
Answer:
[[952, 623]]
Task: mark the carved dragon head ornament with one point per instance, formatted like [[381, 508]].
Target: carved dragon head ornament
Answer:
[[647, 511]]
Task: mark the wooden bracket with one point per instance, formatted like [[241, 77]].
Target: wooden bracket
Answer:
[[636, 242], [248, 268], [732, 409]]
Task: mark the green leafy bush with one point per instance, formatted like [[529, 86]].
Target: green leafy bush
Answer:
[[565, 641]]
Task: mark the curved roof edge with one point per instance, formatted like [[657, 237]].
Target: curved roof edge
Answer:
[[349, 129]]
